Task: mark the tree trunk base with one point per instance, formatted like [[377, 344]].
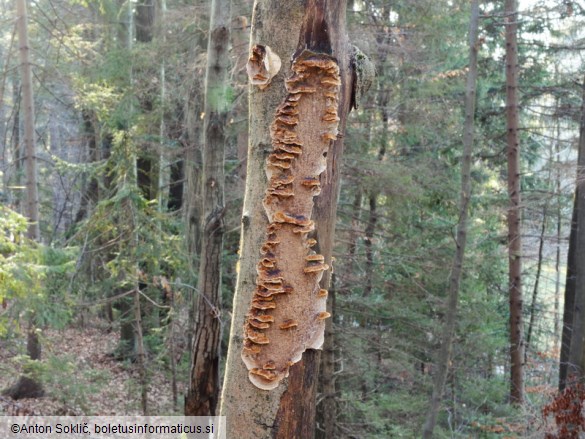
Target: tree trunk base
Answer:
[[25, 387]]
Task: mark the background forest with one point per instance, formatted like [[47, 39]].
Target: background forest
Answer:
[[98, 307]]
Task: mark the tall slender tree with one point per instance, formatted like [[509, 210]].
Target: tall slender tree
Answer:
[[147, 163], [514, 210], [26, 386], [203, 395], [32, 196], [444, 357]]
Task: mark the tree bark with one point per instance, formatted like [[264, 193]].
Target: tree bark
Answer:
[[569, 304], [17, 152], [576, 367], [559, 218], [140, 352], [287, 411], [32, 199], [193, 108], [514, 214], [147, 163], [203, 395], [327, 412], [369, 242], [90, 193], [28, 387], [4, 149], [457, 268]]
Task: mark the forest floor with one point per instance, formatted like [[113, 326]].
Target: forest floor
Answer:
[[81, 376]]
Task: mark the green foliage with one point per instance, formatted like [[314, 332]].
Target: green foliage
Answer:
[[33, 278], [12, 229], [63, 380]]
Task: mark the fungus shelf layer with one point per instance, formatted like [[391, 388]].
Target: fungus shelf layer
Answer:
[[287, 313]]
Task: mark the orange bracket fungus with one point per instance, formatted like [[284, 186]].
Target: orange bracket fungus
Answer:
[[262, 65], [287, 312]]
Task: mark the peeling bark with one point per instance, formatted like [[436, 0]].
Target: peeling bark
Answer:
[[203, 395], [288, 306]]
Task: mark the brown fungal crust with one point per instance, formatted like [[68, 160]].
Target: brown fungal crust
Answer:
[[303, 129], [263, 64], [315, 257], [288, 324], [315, 268]]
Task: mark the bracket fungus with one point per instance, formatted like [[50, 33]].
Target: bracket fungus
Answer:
[[287, 312], [263, 64]]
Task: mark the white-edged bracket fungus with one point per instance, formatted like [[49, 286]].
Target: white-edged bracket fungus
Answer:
[[263, 64], [303, 129]]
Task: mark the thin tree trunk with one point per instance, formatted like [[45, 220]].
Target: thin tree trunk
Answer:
[[240, 41], [288, 411], [28, 387], [457, 267], [172, 337], [32, 201], [5, 150], [147, 163], [163, 183], [353, 235], [203, 395], [327, 411], [192, 167], [536, 284], [368, 243], [140, 353], [514, 214], [557, 284], [90, 193], [558, 239], [17, 153], [382, 99]]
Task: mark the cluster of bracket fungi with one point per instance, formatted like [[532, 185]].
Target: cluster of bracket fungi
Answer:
[[288, 307]]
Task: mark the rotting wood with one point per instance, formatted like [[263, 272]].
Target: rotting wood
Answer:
[[289, 271]]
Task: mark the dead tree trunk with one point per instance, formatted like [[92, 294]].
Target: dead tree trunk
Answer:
[[203, 395], [288, 410]]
